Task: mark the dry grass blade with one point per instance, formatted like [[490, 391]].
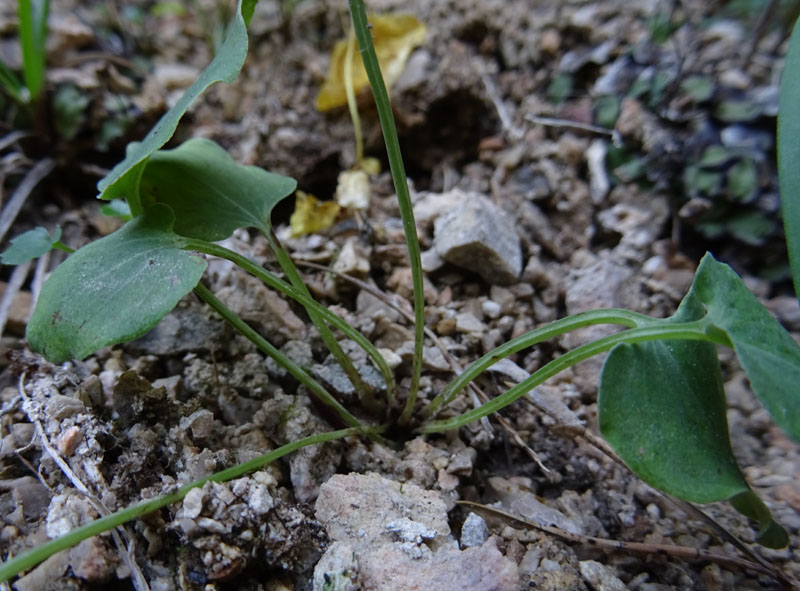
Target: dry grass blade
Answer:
[[40, 170]]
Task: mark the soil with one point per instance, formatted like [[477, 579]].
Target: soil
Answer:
[[507, 100]]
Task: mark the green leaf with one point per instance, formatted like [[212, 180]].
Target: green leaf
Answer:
[[114, 289], [743, 180], [30, 245], [751, 227], [661, 404], [734, 111], [789, 153], [699, 88], [771, 534], [606, 110], [662, 407], [123, 180], [767, 353], [117, 209], [560, 88], [209, 192], [715, 156], [11, 83]]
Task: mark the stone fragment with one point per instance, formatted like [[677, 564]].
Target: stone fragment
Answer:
[[466, 323], [92, 560], [43, 575], [600, 577], [184, 330], [432, 357], [396, 537], [481, 238], [491, 309], [474, 532], [60, 407], [353, 259], [68, 441], [200, 422], [524, 503], [29, 496], [272, 316]]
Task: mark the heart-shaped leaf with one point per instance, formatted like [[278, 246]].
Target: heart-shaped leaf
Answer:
[[123, 180], [768, 354], [30, 245], [789, 153], [209, 192], [114, 289], [662, 407], [661, 404]]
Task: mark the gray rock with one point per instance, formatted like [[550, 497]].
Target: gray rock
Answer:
[[600, 577], [524, 503], [60, 407], [184, 330], [270, 315], [479, 237], [298, 351], [474, 532], [93, 560], [30, 497], [396, 537]]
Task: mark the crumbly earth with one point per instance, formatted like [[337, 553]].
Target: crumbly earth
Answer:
[[504, 105]]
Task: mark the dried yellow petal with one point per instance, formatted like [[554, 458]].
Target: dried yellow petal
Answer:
[[394, 37], [311, 215]]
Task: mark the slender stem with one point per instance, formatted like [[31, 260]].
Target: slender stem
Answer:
[[33, 557], [61, 246], [365, 393], [373, 70], [307, 301], [554, 329], [351, 97], [298, 372], [696, 330]]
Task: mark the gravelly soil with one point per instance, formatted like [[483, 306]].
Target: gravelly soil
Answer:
[[478, 111]]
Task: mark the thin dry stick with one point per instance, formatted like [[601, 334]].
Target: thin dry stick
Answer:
[[515, 133], [638, 547], [454, 364], [123, 541], [12, 289], [566, 123], [13, 137], [40, 170], [38, 279]]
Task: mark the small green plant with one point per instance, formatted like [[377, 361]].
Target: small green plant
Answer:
[[32, 36], [661, 401]]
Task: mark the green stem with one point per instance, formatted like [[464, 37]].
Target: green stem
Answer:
[[298, 372], [697, 330], [61, 246], [307, 301], [373, 70], [33, 557], [365, 393], [544, 333]]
